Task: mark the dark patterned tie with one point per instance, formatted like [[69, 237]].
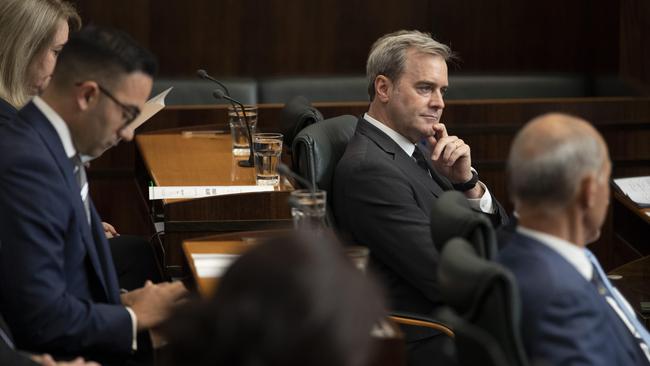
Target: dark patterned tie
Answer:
[[80, 175], [420, 159]]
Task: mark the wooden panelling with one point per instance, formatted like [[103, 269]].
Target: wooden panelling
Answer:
[[281, 37], [505, 35], [635, 42]]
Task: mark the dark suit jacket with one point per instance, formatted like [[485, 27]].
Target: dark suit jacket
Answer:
[[564, 321], [7, 111], [8, 355], [382, 200], [59, 291]]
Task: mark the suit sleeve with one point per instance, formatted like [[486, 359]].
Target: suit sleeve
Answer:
[[378, 206], [571, 333], [10, 357], [41, 309]]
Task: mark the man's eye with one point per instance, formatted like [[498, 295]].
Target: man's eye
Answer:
[[424, 89]]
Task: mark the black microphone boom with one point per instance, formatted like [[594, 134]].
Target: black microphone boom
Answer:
[[205, 76], [219, 94], [283, 169]]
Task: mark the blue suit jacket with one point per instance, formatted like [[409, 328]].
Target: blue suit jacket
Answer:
[[7, 111], [58, 287], [564, 319]]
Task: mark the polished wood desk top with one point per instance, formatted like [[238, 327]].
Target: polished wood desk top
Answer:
[[207, 285], [633, 278], [643, 213], [633, 281], [173, 159]]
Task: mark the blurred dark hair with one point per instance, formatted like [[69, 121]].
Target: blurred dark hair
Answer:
[[289, 301], [101, 54]]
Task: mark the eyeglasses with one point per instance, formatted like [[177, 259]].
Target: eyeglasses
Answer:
[[129, 112]]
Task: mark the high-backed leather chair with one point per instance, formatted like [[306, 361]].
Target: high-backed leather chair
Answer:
[[319, 147], [297, 114], [452, 216], [484, 308]]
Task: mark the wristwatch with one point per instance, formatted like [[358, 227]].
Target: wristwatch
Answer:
[[464, 187]]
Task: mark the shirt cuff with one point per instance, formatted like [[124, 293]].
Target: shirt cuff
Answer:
[[483, 204], [134, 327]]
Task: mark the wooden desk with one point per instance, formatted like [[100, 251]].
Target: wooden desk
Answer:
[[206, 285], [169, 159], [634, 284], [632, 242], [631, 226]]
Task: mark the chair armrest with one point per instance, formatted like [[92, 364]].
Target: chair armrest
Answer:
[[406, 318]]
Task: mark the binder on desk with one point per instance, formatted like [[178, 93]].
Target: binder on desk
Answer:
[[636, 188]]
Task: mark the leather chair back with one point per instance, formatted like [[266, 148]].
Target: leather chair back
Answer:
[[297, 114], [318, 148], [485, 309]]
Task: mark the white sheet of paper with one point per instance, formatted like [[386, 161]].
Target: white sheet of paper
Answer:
[[171, 192], [637, 188], [153, 106], [212, 265]]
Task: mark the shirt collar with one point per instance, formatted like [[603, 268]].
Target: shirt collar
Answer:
[[569, 251], [59, 125], [400, 140]]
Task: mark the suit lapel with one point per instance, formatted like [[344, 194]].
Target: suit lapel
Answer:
[[32, 115], [404, 162]]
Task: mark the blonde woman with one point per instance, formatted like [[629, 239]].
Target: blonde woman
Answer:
[[32, 33]]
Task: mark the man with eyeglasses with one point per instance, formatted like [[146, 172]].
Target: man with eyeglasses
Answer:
[[58, 287]]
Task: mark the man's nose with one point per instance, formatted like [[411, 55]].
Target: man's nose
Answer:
[[437, 101]]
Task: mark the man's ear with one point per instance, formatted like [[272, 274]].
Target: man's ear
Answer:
[[383, 86], [587, 194], [86, 94]]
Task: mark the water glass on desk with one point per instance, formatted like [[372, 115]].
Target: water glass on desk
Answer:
[[308, 209], [238, 129], [267, 148]]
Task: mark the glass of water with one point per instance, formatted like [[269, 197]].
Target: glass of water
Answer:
[[267, 148], [308, 209], [238, 129]]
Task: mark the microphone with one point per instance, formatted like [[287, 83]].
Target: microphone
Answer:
[[284, 170], [204, 75], [219, 94]]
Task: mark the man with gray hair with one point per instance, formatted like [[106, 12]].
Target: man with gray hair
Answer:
[[399, 161], [558, 171]]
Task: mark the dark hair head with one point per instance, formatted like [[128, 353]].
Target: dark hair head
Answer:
[[101, 54], [290, 301]]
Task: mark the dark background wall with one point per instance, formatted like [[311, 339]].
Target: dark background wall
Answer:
[[284, 37]]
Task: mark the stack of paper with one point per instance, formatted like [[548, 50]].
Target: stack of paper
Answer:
[[212, 265], [172, 192], [636, 188], [153, 106]]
